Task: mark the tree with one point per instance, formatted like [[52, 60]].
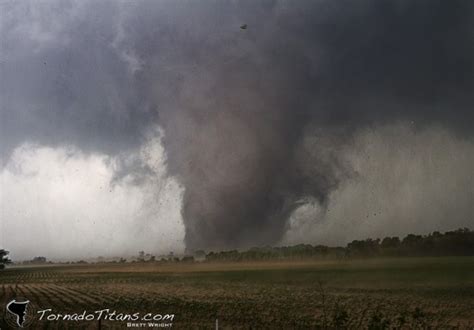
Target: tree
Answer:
[[390, 243], [4, 260], [366, 248], [38, 260]]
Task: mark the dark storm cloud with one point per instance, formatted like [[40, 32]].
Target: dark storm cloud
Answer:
[[63, 81], [402, 59], [236, 105]]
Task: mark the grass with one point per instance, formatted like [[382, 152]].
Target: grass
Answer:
[[373, 294]]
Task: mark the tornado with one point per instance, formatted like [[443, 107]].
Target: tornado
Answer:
[[257, 101]]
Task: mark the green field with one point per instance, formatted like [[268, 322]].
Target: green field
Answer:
[[375, 293]]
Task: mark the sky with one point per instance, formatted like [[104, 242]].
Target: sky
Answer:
[[164, 126]]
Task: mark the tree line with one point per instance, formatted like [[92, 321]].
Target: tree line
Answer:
[[459, 242]]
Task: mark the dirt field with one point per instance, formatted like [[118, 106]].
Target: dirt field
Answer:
[[385, 293]]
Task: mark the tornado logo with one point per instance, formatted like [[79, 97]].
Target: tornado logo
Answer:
[[18, 309]]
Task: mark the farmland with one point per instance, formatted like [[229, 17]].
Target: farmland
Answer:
[[377, 293]]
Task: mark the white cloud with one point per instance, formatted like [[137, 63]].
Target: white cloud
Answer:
[[406, 181], [61, 203]]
